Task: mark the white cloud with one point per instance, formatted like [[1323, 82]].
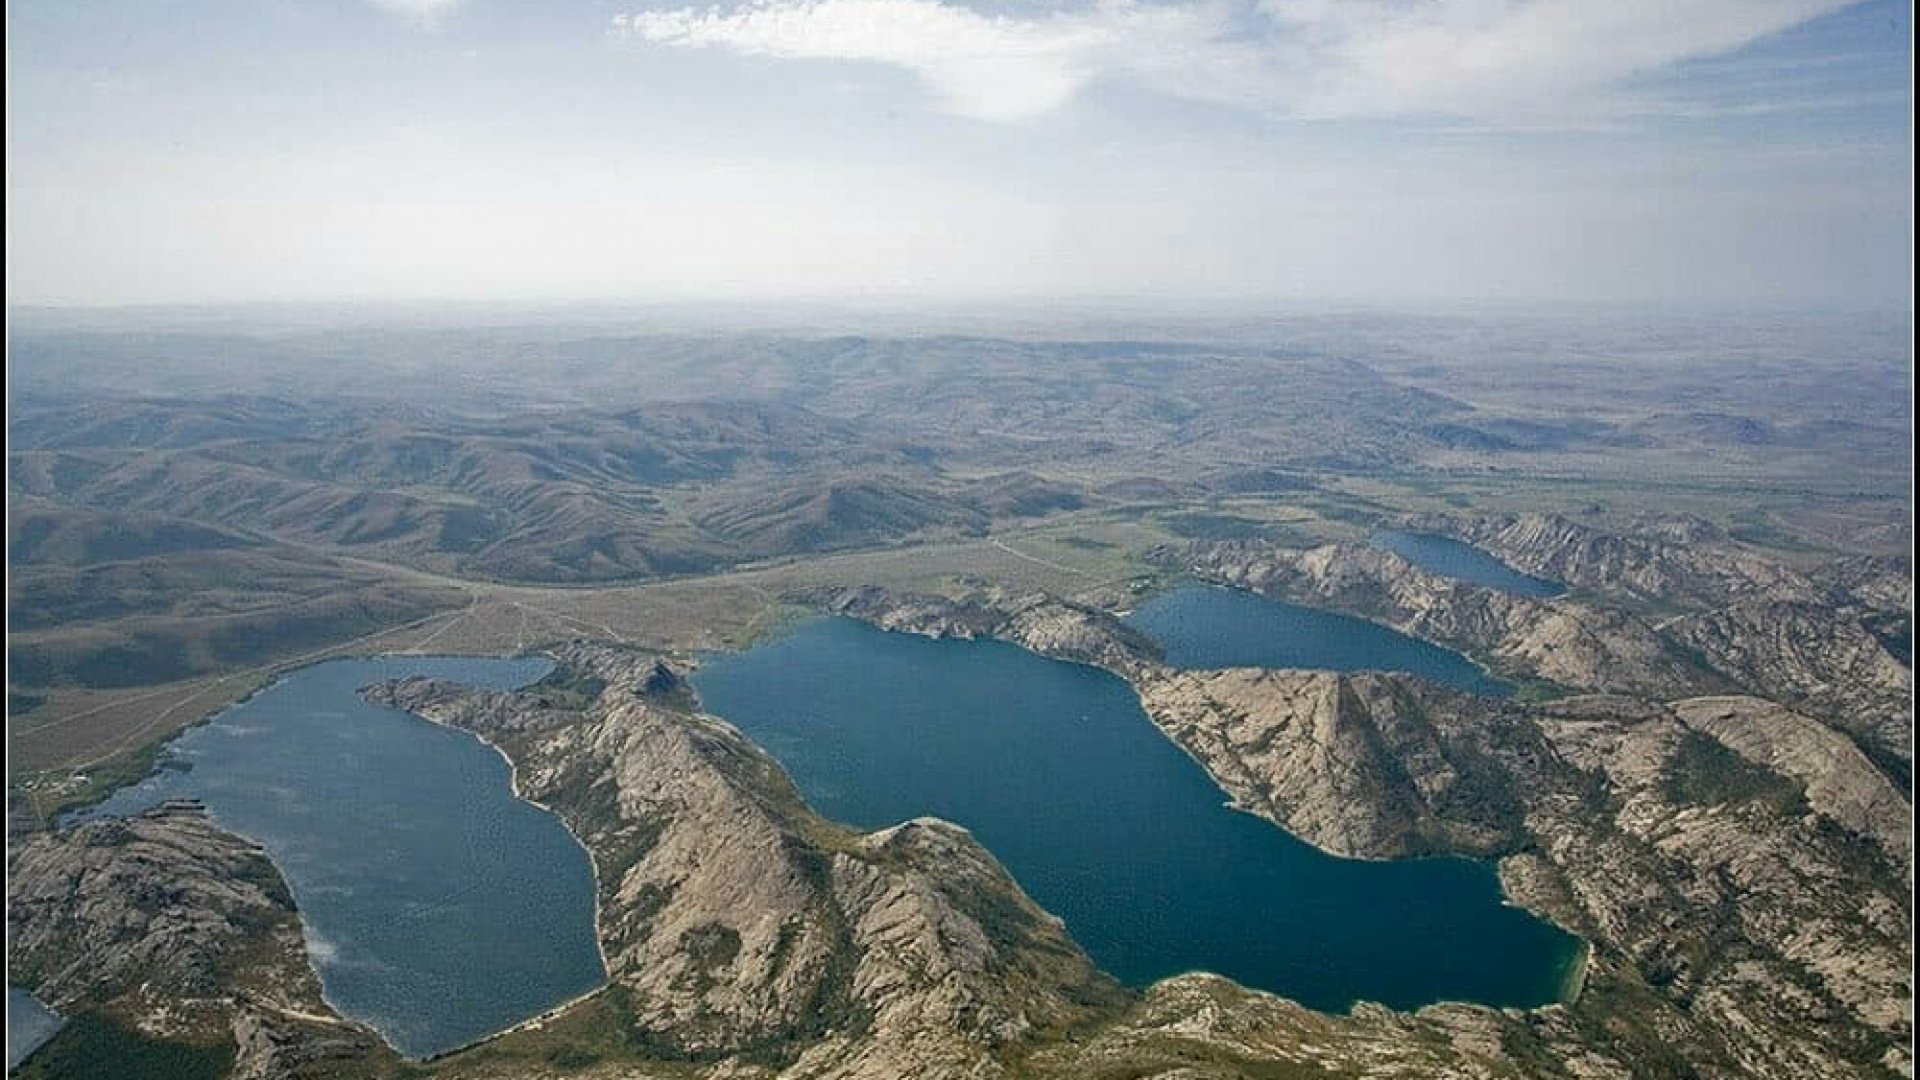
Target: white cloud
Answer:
[[994, 68], [425, 12], [1497, 59], [1489, 60]]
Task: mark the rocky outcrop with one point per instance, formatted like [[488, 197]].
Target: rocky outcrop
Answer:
[[1201, 1025], [1756, 918], [1563, 641], [1839, 781], [1739, 870], [1814, 658], [1724, 885], [1827, 658], [1662, 569], [1365, 765], [165, 924], [1048, 625], [1872, 582], [739, 925], [1834, 641]]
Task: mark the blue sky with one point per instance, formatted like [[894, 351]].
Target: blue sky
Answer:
[[1174, 151]]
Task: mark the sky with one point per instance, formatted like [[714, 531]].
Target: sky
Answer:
[[1159, 152]]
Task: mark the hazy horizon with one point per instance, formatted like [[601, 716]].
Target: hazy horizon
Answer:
[[1175, 155]]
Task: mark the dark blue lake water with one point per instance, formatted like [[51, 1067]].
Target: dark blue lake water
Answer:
[[439, 908], [29, 1025], [1454, 559], [1106, 823], [1204, 626]]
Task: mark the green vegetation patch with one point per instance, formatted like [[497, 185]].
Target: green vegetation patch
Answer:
[[1703, 772], [598, 1031], [1758, 527], [95, 784], [1203, 525], [567, 688], [712, 945], [92, 1045]]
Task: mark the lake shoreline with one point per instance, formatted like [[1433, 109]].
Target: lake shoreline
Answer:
[[820, 674]]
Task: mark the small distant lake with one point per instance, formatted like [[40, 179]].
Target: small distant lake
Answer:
[[439, 908], [29, 1025], [1207, 626], [1462, 561], [1106, 823]]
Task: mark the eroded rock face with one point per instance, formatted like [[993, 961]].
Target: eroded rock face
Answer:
[[737, 922], [1662, 567], [1560, 640], [1873, 582], [1839, 780], [1761, 913], [1199, 1025], [1727, 889], [1740, 870], [1356, 762], [1777, 633], [1815, 658], [167, 924]]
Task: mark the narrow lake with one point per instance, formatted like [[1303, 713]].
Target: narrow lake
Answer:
[[1106, 823], [1207, 626], [1462, 561], [439, 908]]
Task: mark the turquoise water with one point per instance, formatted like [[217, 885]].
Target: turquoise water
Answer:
[[439, 908], [1203, 626], [1451, 558], [29, 1025], [1106, 823]]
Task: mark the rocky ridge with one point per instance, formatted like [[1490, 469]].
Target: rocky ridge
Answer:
[[739, 926], [1658, 566], [1564, 641], [164, 924], [1816, 659], [1821, 649], [1740, 870]]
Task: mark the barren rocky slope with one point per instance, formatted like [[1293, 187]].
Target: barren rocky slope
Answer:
[[739, 925], [1746, 623], [1564, 641], [1741, 868], [165, 926], [1741, 871], [1656, 565], [1817, 659]]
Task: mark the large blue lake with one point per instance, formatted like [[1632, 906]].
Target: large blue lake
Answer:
[[1106, 823], [1205, 626], [1452, 558], [439, 908]]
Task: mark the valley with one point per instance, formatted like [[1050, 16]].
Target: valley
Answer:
[[1696, 760]]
